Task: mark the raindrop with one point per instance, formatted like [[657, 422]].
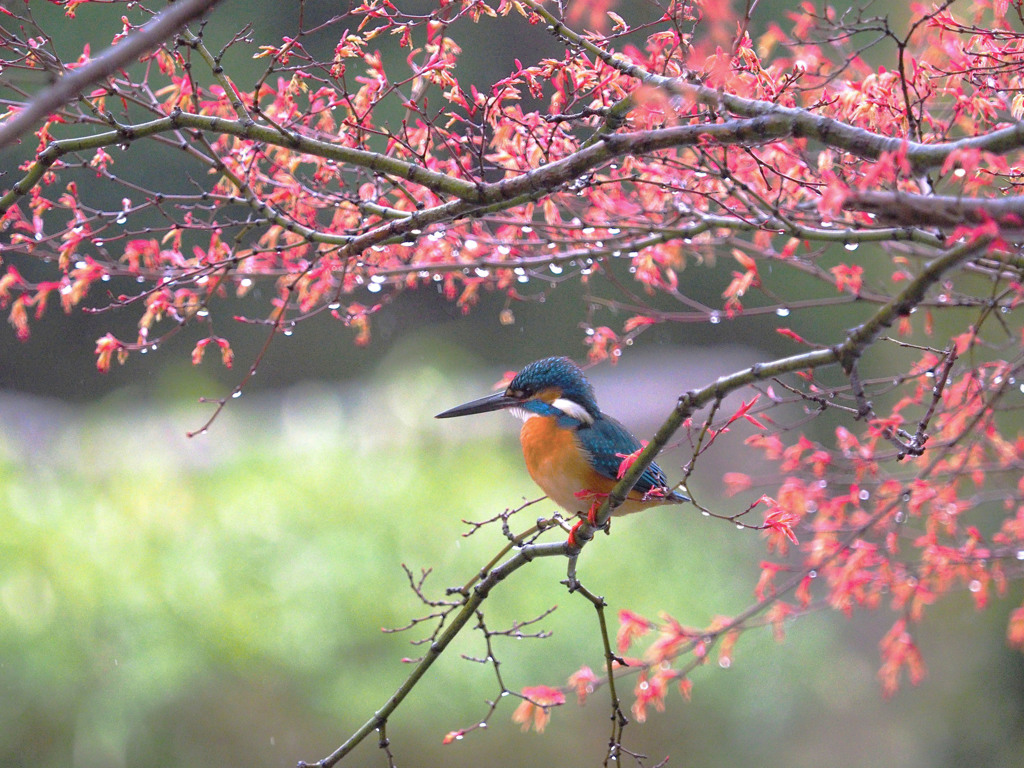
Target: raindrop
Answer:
[[523, 279], [715, 318], [481, 272], [864, 494], [202, 312], [504, 250], [705, 513], [334, 305], [245, 282], [1020, 554], [850, 246], [482, 725], [526, 230], [556, 269], [782, 311], [974, 586], [408, 243], [121, 218], [725, 662], [238, 393], [373, 287], [614, 231]]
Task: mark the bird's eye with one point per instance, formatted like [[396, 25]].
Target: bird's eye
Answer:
[[516, 393]]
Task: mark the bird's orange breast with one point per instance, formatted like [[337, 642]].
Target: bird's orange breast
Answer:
[[557, 464]]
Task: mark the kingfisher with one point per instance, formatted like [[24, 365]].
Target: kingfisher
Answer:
[[573, 451]]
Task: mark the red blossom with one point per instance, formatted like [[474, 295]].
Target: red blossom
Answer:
[[735, 482], [582, 681], [743, 412], [631, 627], [899, 653], [106, 347], [848, 277], [628, 459], [650, 690], [780, 523], [789, 334], [534, 709]]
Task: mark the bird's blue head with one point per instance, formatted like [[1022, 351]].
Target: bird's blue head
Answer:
[[554, 386]]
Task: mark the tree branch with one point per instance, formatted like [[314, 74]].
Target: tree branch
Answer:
[[845, 354], [71, 85], [468, 610], [944, 212]]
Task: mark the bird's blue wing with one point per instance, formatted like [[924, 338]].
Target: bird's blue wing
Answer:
[[608, 442]]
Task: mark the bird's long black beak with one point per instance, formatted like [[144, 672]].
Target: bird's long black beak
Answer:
[[494, 402]]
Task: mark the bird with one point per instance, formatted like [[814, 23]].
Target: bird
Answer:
[[573, 451]]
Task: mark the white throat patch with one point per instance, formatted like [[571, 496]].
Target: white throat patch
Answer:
[[573, 409], [568, 407]]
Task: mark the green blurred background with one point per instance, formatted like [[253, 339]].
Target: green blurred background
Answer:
[[167, 601]]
